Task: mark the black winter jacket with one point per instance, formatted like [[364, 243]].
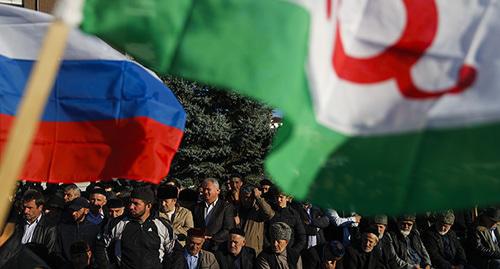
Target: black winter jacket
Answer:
[[291, 217], [225, 259], [434, 242]]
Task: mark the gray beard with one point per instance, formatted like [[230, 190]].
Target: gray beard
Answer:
[[405, 233]]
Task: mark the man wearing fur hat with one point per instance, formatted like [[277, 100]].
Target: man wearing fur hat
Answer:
[[279, 255], [485, 240], [384, 245], [442, 243], [179, 217], [410, 251]]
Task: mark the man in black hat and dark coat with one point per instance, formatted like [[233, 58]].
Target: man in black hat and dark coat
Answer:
[[234, 254], [144, 240], [484, 242], [78, 228]]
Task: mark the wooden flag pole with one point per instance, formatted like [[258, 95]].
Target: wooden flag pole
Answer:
[[31, 107]]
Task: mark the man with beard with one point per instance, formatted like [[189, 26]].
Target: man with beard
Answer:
[[442, 243], [116, 208], [144, 241], [279, 255], [254, 211], [364, 254], [78, 228], [410, 251], [97, 202], [235, 255]]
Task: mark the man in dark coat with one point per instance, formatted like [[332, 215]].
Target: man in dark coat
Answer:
[[283, 212], [76, 229], [143, 241], [484, 242], [314, 222], [410, 251], [279, 255], [235, 255], [214, 215], [443, 246], [328, 255], [13, 254], [363, 254], [37, 233]]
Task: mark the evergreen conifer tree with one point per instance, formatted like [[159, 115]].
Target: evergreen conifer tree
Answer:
[[225, 133]]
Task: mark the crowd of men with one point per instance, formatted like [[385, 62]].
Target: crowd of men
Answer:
[[126, 224]]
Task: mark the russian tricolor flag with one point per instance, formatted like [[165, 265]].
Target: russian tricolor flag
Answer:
[[107, 116]]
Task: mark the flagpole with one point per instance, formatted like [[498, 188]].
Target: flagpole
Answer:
[[31, 107]]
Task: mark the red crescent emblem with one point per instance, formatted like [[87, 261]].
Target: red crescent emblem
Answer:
[[397, 60]]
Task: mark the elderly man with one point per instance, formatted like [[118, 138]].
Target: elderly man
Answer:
[[116, 208], [144, 241], [193, 256], [384, 245], [410, 251], [213, 214], [179, 217], [235, 255], [485, 239], [71, 192], [279, 255], [364, 254], [442, 243]]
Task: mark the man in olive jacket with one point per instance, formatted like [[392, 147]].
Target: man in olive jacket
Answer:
[[253, 213]]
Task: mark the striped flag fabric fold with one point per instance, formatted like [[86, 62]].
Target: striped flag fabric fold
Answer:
[[389, 106]]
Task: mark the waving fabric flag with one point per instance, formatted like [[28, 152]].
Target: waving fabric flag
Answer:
[[389, 106], [106, 117]]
